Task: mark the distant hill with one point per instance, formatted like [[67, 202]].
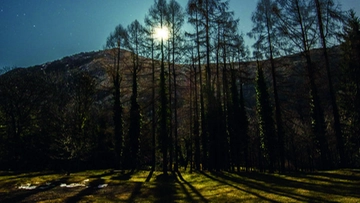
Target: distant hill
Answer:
[[290, 72]]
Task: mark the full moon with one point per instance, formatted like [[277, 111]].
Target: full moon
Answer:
[[161, 33]]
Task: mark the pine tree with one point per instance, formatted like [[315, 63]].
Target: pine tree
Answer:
[[157, 19], [195, 19], [135, 42], [266, 122], [295, 24], [115, 40], [176, 21], [263, 19], [349, 97], [323, 10]]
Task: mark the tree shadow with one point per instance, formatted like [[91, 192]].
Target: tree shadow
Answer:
[[90, 189], [149, 176], [137, 187], [193, 189], [123, 176], [165, 189], [135, 192], [280, 186], [335, 179], [108, 173], [236, 187], [355, 177]]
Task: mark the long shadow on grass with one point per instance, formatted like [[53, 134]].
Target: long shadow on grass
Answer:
[[354, 177], [85, 192], [276, 185], [109, 173], [149, 176], [21, 195], [137, 188], [338, 180], [123, 176], [334, 188], [165, 189], [193, 189], [236, 187], [135, 192]]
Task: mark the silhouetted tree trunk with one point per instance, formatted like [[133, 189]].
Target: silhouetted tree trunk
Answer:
[[335, 109], [266, 123], [264, 21], [157, 16], [115, 40], [176, 19], [295, 24], [134, 43], [349, 93], [193, 13]]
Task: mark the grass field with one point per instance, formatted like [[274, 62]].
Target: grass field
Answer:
[[146, 186]]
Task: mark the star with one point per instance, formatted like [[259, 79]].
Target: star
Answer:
[[34, 26]]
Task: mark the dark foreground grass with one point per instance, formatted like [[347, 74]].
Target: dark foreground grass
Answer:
[[147, 186]]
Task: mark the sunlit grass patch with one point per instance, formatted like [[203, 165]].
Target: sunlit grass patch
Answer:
[[147, 186]]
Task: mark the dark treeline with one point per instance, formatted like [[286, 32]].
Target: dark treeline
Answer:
[[160, 98]]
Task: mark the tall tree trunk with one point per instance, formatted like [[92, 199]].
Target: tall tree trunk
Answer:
[[196, 122], [134, 129], [163, 112], [317, 114], [204, 135], [175, 108], [117, 114], [153, 122], [171, 142], [279, 123], [337, 126]]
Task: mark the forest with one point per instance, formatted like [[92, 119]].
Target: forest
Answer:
[[158, 97]]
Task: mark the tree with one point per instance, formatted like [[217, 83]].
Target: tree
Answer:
[[349, 97], [194, 19], [115, 40], [324, 9], [238, 123], [176, 21], [22, 96], [295, 21], [229, 41], [150, 44], [266, 122], [76, 140], [264, 19], [234, 125], [135, 42], [157, 16], [204, 16]]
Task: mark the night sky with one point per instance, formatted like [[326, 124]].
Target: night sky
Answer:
[[33, 32]]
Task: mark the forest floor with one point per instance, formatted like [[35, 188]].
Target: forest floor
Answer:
[[146, 186]]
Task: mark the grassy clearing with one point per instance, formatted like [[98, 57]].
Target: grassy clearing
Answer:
[[145, 186]]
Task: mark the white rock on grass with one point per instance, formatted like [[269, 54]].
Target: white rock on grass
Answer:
[[27, 186], [72, 185], [102, 185]]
